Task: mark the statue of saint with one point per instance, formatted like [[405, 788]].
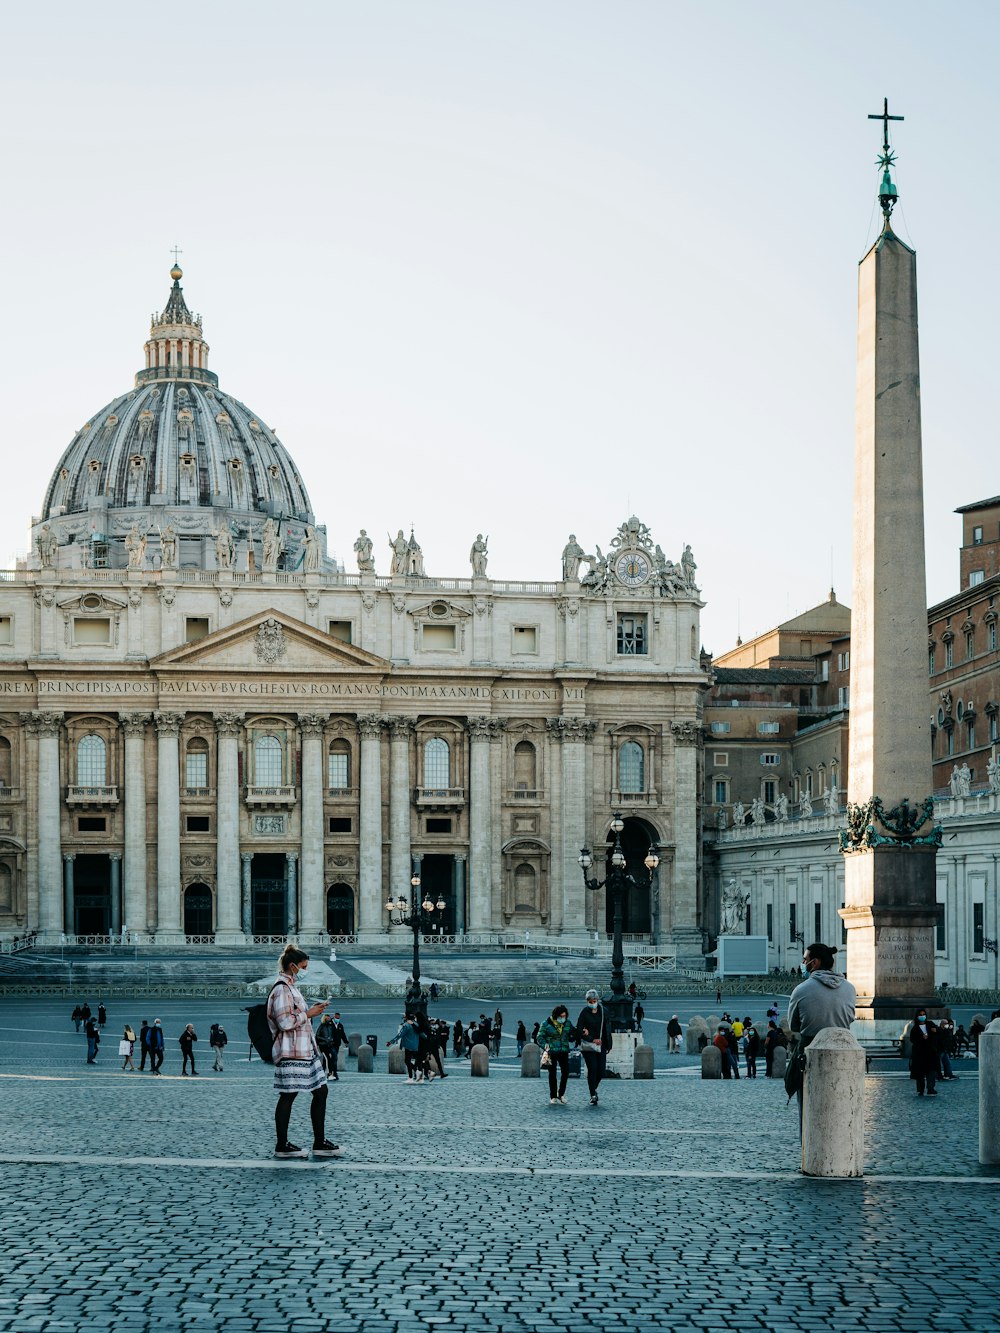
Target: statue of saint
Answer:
[[955, 781], [781, 808], [135, 545], [739, 814], [47, 544], [271, 546], [805, 804], [965, 781], [757, 812], [363, 547], [168, 547], [831, 798], [572, 556], [688, 566], [734, 909], [721, 819], [397, 545], [310, 551], [224, 548], [478, 556], [993, 774]]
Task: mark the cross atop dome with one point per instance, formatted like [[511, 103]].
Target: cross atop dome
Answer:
[[176, 348]]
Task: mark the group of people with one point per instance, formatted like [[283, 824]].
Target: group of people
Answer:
[[591, 1035], [424, 1044], [151, 1042]]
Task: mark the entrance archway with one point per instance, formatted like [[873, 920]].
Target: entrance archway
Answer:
[[340, 909], [437, 881], [197, 910], [637, 914], [268, 893], [92, 895]]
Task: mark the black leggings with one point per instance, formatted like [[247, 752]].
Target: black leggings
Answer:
[[558, 1063], [317, 1113]]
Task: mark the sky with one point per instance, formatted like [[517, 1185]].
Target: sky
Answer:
[[519, 269]]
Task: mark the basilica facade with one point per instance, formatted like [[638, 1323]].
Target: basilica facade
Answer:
[[210, 731]]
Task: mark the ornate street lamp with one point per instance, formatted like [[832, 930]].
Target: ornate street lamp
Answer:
[[419, 917], [619, 880]]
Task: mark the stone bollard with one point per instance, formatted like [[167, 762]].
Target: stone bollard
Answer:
[[989, 1094], [480, 1061], [695, 1029], [778, 1062], [353, 1042], [712, 1023], [643, 1063], [531, 1060], [711, 1062], [397, 1061], [833, 1105], [366, 1059], [341, 1058]]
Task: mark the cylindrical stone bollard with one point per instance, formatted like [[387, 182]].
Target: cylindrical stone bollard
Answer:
[[480, 1061], [366, 1059], [531, 1060], [712, 1022], [695, 1029], [642, 1063], [353, 1042], [833, 1106], [711, 1062], [341, 1058], [778, 1061], [397, 1062], [989, 1094]]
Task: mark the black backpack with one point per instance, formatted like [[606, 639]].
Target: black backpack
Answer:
[[259, 1029]]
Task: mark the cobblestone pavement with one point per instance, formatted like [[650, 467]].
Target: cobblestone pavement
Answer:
[[137, 1204]]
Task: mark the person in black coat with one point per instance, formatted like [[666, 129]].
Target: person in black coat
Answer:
[[593, 1030], [925, 1065]]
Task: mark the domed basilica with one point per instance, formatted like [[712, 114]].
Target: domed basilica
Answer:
[[211, 732]]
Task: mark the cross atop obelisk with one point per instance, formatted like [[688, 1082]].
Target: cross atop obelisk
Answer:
[[888, 194]]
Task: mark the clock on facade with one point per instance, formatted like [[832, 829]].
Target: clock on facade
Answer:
[[632, 568]]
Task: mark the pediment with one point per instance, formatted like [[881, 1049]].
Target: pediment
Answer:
[[270, 642]]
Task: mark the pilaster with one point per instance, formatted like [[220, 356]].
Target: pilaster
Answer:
[[227, 892], [136, 901], [400, 735], [48, 727], [168, 829], [313, 917]]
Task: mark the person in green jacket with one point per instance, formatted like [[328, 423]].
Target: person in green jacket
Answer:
[[555, 1036]]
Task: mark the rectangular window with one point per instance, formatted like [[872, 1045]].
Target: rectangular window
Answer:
[[768, 728], [196, 769], [940, 939], [970, 734], [6, 630], [195, 628], [92, 824], [978, 928], [770, 760], [198, 824], [994, 727], [438, 825], [721, 728], [438, 638], [824, 669], [632, 635], [721, 759], [991, 636], [977, 536], [844, 661], [844, 696], [340, 629], [930, 661], [949, 655], [721, 791], [92, 631], [524, 639], [817, 921], [970, 645], [949, 744], [338, 775], [340, 823], [770, 923], [792, 927], [769, 791], [976, 576]]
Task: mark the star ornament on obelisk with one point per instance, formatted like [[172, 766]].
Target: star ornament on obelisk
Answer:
[[891, 841]]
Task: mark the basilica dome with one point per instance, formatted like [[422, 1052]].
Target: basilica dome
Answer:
[[175, 447]]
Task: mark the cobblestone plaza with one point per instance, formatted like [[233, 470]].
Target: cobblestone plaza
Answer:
[[136, 1203]]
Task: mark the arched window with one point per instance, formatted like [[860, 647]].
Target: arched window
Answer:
[[437, 764], [524, 767], [631, 765], [5, 762], [339, 766], [196, 764], [91, 762], [525, 892], [267, 761]]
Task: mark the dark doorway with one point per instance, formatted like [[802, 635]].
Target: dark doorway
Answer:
[[340, 910], [92, 895], [636, 838], [268, 892], [197, 910], [437, 882]]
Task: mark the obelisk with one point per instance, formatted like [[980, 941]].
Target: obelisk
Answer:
[[891, 842]]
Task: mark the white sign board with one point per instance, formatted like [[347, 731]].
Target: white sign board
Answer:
[[742, 955]]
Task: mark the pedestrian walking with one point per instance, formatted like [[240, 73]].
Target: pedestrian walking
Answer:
[[217, 1041], [593, 1032], [458, 1038], [186, 1041], [126, 1047], [76, 1017], [521, 1036], [721, 1042], [408, 1039], [93, 1040], [85, 1011], [143, 1045], [556, 1035], [674, 1032], [339, 1040], [297, 1064], [924, 1059], [640, 1014], [773, 1038], [718, 995], [946, 1049], [751, 1048], [102, 1015], [534, 1032], [325, 1044], [156, 1046]]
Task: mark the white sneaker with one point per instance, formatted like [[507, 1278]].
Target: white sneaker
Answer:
[[562, 1101], [553, 1101]]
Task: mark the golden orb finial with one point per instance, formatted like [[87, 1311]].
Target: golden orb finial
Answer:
[[177, 272]]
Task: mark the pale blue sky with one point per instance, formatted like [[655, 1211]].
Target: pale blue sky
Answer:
[[514, 268]]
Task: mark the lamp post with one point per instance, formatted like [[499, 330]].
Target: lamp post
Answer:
[[618, 881], [419, 917]]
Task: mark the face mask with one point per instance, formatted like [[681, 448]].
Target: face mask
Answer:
[[803, 968], [921, 1018], [593, 1004]]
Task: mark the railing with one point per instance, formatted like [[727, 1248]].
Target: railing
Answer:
[[330, 578], [92, 795], [10, 793], [342, 793], [270, 795], [199, 791], [199, 939], [525, 794], [440, 795], [19, 943], [634, 798]]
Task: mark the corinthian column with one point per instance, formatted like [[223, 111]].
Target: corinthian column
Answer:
[[134, 726], [227, 819], [683, 904], [400, 731], [313, 918], [370, 893], [168, 830], [575, 733], [481, 731], [50, 867]]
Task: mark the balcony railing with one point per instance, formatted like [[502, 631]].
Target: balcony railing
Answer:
[[525, 794], [341, 793], [10, 793], [440, 796], [198, 791], [634, 798], [270, 795], [92, 795]]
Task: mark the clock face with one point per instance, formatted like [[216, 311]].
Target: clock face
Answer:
[[632, 568]]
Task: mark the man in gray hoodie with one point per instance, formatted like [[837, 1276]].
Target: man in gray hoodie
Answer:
[[824, 1000]]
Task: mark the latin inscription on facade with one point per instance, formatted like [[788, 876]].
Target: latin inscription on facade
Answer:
[[293, 689]]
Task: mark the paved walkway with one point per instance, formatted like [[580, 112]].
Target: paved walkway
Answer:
[[140, 1204]]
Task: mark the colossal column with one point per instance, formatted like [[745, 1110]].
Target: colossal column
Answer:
[[168, 830], [134, 726], [313, 917], [246, 905], [370, 895], [890, 845], [480, 823], [227, 867], [116, 894], [291, 893], [69, 904], [574, 733], [400, 731], [683, 905], [50, 868]]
